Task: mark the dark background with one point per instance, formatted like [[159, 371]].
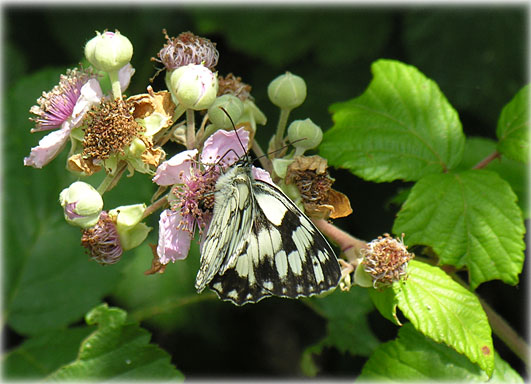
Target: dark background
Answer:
[[477, 55]]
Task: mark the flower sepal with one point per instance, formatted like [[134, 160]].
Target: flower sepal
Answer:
[[131, 230]]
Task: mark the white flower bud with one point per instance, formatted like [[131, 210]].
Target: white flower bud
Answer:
[[82, 204], [194, 86], [109, 51]]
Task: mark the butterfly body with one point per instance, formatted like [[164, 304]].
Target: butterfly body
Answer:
[[260, 244]]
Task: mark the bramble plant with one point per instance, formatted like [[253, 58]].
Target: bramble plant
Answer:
[[461, 213]]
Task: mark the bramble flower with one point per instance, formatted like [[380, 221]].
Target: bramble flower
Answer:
[[64, 108], [384, 261], [192, 197], [185, 49]]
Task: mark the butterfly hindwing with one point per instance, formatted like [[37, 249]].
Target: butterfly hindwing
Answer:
[[229, 226], [281, 252]]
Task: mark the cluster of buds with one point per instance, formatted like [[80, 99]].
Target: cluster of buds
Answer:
[[112, 133]]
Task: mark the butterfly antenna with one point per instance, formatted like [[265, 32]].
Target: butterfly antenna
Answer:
[[234, 127]]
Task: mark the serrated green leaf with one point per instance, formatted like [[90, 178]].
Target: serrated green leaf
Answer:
[[514, 172], [385, 301], [117, 350], [414, 357], [402, 127], [470, 219], [32, 360], [445, 311], [513, 127], [49, 281]]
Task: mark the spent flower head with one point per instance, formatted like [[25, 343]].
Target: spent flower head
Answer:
[[185, 49], [385, 260], [102, 241]]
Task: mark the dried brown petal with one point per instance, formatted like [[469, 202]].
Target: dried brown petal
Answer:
[[156, 266], [77, 163]]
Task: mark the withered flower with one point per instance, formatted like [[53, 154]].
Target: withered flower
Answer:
[[310, 175]]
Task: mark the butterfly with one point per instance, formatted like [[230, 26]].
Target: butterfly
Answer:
[[260, 244]]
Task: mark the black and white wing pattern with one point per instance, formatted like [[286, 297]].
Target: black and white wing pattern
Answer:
[[260, 244]]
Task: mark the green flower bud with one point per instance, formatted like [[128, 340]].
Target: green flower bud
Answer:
[[194, 86], [130, 230], [229, 103], [304, 135], [109, 51], [252, 114], [287, 91], [82, 204]]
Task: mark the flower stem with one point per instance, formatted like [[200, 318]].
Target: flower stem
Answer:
[[110, 180], [483, 163], [115, 82], [348, 244], [262, 158], [281, 128], [190, 128], [155, 206]]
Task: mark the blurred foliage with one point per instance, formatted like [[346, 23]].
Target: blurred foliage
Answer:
[[476, 55]]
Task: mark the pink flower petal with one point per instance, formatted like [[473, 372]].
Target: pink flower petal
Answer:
[[225, 145], [174, 244], [124, 76], [49, 146], [91, 94], [262, 174], [171, 171]]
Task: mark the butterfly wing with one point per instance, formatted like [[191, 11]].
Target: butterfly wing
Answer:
[[230, 225], [284, 254]]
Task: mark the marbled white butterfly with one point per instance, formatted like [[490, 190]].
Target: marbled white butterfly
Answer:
[[260, 244]]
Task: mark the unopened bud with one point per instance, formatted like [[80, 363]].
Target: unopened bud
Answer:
[[194, 86], [287, 91], [304, 135], [231, 104], [82, 204], [109, 51]]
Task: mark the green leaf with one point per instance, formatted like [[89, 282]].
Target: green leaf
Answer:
[[470, 219], [413, 356], [117, 350], [514, 172], [33, 360], [445, 311], [402, 127], [385, 302], [49, 281], [513, 127], [347, 328]]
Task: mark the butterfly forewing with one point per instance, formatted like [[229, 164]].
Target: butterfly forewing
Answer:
[[264, 246]]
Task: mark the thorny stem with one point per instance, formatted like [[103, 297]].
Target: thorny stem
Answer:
[[348, 244], [281, 128], [190, 129], [483, 163]]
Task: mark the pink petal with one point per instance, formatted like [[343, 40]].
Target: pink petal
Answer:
[[262, 174], [124, 76], [174, 244], [224, 147], [49, 146], [91, 94], [171, 171]]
